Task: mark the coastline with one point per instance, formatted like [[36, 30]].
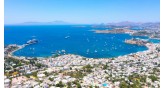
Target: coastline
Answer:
[[109, 71], [24, 45]]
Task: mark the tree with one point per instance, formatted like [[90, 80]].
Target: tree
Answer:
[[46, 73], [87, 68], [60, 84], [70, 68], [39, 65], [78, 85], [51, 79], [153, 78], [96, 87], [143, 79], [34, 74], [105, 66], [123, 85], [69, 85], [35, 58], [90, 86], [32, 62]]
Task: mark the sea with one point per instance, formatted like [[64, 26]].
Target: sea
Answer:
[[69, 39]]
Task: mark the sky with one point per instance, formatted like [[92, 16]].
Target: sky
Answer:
[[81, 11]]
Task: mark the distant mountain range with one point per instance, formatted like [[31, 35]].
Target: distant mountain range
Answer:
[[142, 25], [124, 23], [128, 23], [47, 23]]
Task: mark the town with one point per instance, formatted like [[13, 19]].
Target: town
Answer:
[[136, 70]]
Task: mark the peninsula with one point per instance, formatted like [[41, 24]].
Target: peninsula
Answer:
[[149, 33], [116, 30], [136, 41]]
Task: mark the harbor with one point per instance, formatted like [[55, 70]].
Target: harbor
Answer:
[[103, 72]]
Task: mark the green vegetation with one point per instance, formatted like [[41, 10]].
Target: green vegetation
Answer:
[[27, 75], [156, 70], [84, 58], [77, 84], [123, 85], [96, 87], [135, 81], [46, 73], [87, 68], [153, 78], [32, 62], [60, 84], [51, 79], [90, 86], [105, 66], [17, 65], [76, 74], [113, 58], [11, 60], [69, 85], [32, 74], [56, 55], [39, 65], [137, 77]]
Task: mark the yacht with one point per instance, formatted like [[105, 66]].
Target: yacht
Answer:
[[67, 37]]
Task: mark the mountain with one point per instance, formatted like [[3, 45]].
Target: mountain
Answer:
[[58, 22], [128, 23], [125, 23], [47, 23]]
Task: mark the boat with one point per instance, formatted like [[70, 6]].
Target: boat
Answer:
[[87, 40], [95, 50], [67, 37], [63, 51], [87, 50]]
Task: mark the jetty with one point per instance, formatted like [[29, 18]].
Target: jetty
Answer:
[[32, 41], [10, 49]]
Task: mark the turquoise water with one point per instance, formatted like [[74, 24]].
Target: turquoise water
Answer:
[[154, 40], [81, 41], [105, 84]]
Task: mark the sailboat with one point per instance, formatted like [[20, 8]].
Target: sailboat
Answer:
[[87, 51], [95, 50], [67, 37]]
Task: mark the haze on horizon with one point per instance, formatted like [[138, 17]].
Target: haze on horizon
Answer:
[[81, 11]]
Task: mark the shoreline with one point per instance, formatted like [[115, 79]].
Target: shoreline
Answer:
[[100, 71], [10, 54], [24, 45]]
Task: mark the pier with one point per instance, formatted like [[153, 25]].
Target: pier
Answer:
[[10, 49]]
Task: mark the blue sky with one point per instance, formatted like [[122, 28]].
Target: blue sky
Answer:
[[81, 11]]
